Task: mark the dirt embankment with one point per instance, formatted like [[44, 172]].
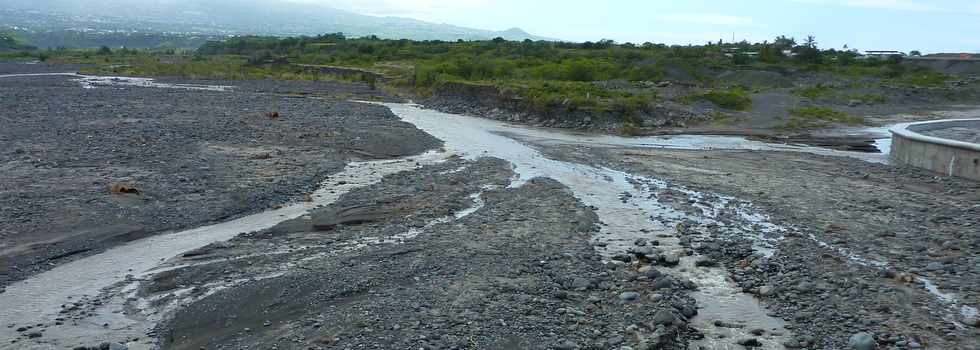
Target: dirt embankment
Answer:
[[84, 169], [490, 102], [774, 94]]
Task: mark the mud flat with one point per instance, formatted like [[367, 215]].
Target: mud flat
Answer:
[[178, 157]]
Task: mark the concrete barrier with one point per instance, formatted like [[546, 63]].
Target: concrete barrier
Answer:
[[949, 157]]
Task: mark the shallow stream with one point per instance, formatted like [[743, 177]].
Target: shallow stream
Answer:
[[630, 207]]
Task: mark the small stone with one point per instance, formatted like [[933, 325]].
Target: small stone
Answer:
[[629, 296], [117, 346], [705, 262], [670, 260], [766, 290], [653, 274], [34, 335], [972, 321], [934, 266], [792, 344], [750, 343], [580, 283], [664, 317], [626, 258], [566, 345], [664, 282], [862, 341]]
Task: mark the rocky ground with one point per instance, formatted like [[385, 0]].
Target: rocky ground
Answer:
[[971, 135], [84, 169], [445, 257], [453, 255], [868, 244]]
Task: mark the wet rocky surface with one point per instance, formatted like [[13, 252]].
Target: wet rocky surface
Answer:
[[876, 249], [516, 272], [88, 168]]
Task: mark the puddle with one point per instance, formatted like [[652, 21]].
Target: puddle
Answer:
[[38, 300], [91, 82], [38, 75], [625, 218]]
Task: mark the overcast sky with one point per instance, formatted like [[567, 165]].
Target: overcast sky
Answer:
[[929, 26]]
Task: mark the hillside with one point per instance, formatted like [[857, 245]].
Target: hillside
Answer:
[[231, 17]]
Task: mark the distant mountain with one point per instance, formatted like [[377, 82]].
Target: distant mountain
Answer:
[[270, 17]]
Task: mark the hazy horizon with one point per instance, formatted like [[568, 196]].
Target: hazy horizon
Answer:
[[903, 25], [928, 26]]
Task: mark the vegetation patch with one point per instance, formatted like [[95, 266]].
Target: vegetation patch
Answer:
[[829, 93], [818, 117], [734, 99]]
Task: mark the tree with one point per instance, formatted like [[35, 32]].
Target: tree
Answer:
[[784, 43], [499, 40], [104, 50], [811, 41], [808, 52]]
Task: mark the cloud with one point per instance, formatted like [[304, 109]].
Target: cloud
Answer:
[[899, 5], [707, 18]]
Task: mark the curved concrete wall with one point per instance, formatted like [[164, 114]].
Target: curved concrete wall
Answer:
[[949, 157]]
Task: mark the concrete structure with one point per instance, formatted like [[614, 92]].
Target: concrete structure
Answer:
[[949, 157], [883, 54]]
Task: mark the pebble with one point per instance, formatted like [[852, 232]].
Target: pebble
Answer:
[[766, 290], [705, 262], [629, 296], [566, 345], [664, 317], [750, 343], [862, 341]]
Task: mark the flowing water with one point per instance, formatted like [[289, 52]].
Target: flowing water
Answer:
[[629, 210], [39, 299]]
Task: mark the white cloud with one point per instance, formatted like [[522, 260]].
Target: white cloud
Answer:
[[707, 18]]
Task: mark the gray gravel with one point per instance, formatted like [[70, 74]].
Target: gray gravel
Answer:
[[194, 157], [517, 273], [964, 134]]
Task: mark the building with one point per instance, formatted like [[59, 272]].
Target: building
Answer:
[[881, 55]]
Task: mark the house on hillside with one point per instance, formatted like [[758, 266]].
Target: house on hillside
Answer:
[[882, 55]]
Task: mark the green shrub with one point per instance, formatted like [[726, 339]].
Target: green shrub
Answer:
[[813, 92], [818, 117], [734, 99]]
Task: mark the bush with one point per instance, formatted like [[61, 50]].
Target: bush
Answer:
[[818, 117], [734, 99]]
